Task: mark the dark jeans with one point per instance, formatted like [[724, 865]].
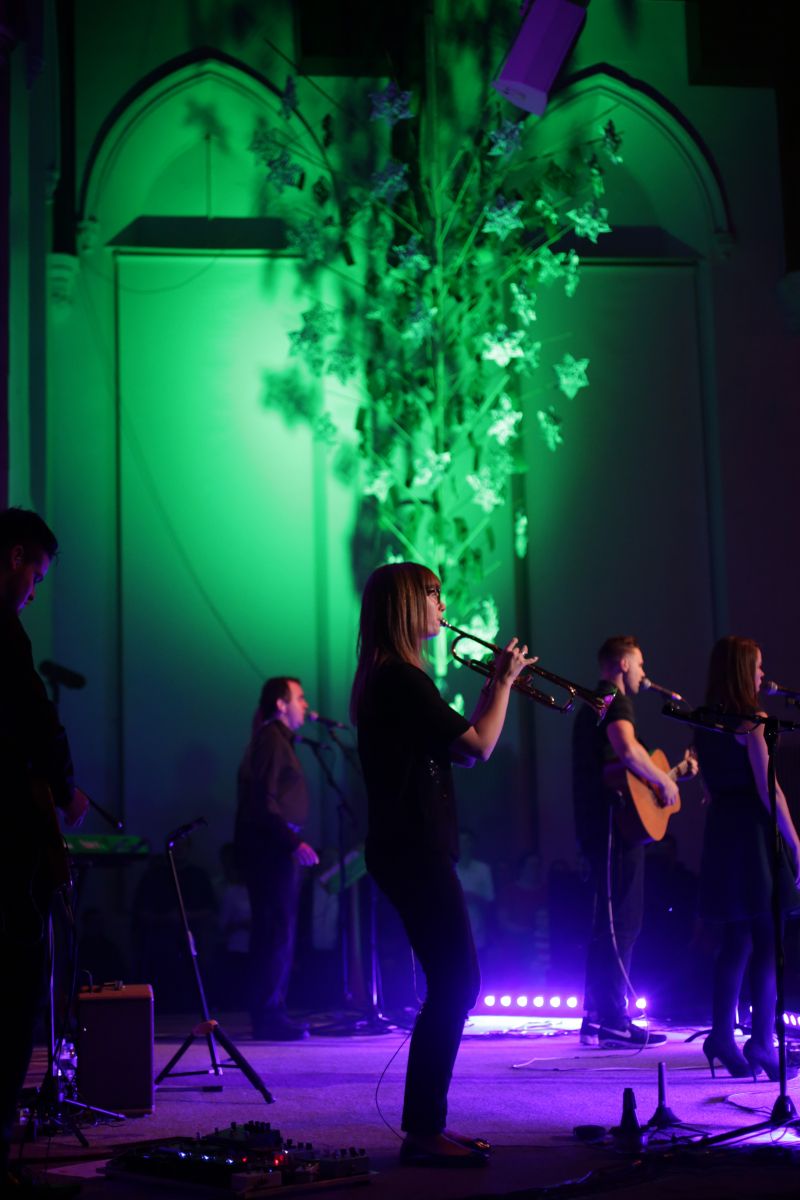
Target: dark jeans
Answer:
[[429, 899], [606, 989], [272, 877]]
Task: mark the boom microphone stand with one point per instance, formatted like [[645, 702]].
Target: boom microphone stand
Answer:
[[783, 1110], [208, 1028]]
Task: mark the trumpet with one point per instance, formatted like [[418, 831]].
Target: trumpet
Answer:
[[598, 701]]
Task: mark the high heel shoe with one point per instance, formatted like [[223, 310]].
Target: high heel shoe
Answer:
[[728, 1054], [761, 1059]]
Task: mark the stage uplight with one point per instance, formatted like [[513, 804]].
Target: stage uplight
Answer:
[[505, 1001], [641, 1003], [538, 1001], [490, 1001], [572, 1001], [548, 31], [555, 1002], [522, 1001]]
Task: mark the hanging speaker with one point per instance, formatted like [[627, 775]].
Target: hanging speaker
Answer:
[[547, 34]]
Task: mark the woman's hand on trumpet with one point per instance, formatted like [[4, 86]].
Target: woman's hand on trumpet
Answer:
[[511, 661]]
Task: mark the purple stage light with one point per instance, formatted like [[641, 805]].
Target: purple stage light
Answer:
[[538, 1001], [545, 38], [505, 1001], [490, 1001], [522, 1001]]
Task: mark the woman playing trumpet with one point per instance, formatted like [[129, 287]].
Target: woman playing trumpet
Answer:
[[408, 737]]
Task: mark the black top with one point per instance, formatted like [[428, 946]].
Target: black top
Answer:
[[405, 730], [591, 753], [736, 868], [271, 787]]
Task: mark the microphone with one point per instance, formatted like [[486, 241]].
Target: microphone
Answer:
[[771, 688], [329, 721], [648, 686], [709, 718], [55, 673], [183, 831]]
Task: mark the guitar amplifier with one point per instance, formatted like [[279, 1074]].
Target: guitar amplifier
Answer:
[[115, 1047]]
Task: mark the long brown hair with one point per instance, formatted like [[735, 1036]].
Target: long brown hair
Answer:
[[732, 675], [394, 621]]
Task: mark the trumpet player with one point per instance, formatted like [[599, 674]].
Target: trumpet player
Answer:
[[408, 738]]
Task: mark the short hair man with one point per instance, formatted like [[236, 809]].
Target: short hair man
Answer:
[[594, 749], [36, 777], [272, 808]]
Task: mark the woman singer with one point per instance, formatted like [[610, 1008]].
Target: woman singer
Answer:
[[736, 869], [408, 737]]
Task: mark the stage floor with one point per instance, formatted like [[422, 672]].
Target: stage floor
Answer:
[[525, 1091]]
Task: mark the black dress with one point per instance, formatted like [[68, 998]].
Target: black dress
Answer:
[[736, 870]]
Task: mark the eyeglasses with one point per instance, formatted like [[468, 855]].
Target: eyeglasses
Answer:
[[434, 591]]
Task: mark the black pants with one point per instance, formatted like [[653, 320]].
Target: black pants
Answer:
[[21, 1000], [272, 877], [606, 989], [429, 899], [746, 945]]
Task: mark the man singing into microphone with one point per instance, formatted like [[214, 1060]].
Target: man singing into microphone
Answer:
[[36, 776], [271, 812], [609, 856]]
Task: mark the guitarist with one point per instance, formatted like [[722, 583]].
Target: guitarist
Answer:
[[609, 857], [36, 774]]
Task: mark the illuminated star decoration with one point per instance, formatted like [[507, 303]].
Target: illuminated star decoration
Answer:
[[502, 345], [485, 491], [289, 98], [571, 374], [550, 426], [390, 105], [309, 241], [523, 303], [411, 259], [390, 182], [589, 221], [520, 533], [419, 325], [263, 142], [612, 142], [486, 622], [379, 485], [504, 421], [550, 266], [503, 217], [342, 363], [430, 469], [506, 139], [325, 430], [282, 172], [546, 210]]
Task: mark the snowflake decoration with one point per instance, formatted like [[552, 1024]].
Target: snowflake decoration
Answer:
[[325, 430], [551, 266], [419, 325], [506, 139], [318, 322], [502, 345], [309, 241], [504, 421], [550, 426], [263, 142], [520, 533], [571, 273], [546, 210], [390, 182], [485, 624], [486, 490], [286, 393], [289, 98], [379, 485], [571, 374], [503, 217], [597, 175], [342, 363], [589, 221], [411, 259], [612, 143], [283, 173], [430, 469], [390, 105], [523, 303]]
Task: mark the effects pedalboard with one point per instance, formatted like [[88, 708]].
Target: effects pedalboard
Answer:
[[246, 1160]]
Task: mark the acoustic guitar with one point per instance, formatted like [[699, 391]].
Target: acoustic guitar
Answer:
[[639, 814]]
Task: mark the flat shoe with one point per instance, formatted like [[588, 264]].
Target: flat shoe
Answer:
[[410, 1156]]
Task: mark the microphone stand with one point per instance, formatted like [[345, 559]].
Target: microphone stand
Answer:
[[374, 1022], [783, 1110], [208, 1028]]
